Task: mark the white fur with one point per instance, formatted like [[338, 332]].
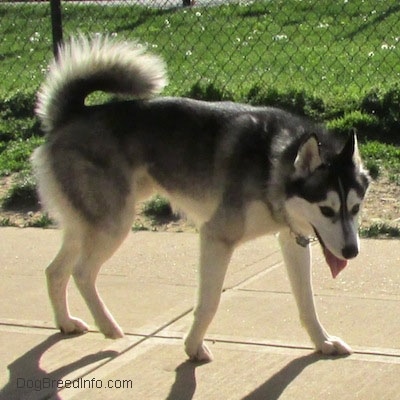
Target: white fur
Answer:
[[298, 264], [304, 215], [259, 221], [308, 158], [81, 58]]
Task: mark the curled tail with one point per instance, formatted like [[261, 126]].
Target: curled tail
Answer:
[[99, 64]]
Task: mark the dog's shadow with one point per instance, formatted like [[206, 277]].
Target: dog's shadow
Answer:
[[28, 380], [185, 383], [273, 388]]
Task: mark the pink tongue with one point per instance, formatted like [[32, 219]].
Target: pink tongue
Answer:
[[335, 264]]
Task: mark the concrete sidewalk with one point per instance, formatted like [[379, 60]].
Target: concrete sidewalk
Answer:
[[260, 349]]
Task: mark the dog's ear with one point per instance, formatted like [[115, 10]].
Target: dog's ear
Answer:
[[350, 153], [308, 157], [349, 147]]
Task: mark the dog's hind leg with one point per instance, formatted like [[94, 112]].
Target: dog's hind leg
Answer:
[[298, 264], [215, 255], [97, 246], [58, 274]]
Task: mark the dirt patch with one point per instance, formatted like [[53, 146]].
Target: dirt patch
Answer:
[[382, 204]]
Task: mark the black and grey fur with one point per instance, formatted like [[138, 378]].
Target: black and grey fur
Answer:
[[238, 171]]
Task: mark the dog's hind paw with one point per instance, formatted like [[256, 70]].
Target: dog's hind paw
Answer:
[[73, 326], [335, 346], [199, 353]]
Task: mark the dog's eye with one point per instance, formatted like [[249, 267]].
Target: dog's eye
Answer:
[[355, 209], [327, 212]]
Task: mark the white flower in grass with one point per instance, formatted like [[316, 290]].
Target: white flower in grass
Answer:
[[278, 38], [35, 37]]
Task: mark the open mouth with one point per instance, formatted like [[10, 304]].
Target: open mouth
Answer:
[[336, 264]]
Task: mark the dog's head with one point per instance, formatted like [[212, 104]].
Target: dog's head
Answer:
[[326, 195]]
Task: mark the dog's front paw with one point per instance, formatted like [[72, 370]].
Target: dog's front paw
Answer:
[[113, 332], [73, 326], [334, 346], [199, 353]]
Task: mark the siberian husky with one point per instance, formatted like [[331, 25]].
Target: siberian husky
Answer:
[[238, 171]]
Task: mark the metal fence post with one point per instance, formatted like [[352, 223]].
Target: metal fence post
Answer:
[[56, 24]]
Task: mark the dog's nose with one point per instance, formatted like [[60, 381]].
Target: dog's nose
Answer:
[[350, 251]]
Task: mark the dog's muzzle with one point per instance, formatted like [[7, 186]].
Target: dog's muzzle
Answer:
[[350, 251]]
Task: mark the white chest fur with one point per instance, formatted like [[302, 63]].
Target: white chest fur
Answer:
[[259, 221]]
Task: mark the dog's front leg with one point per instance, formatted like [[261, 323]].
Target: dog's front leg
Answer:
[[214, 259], [298, 264]]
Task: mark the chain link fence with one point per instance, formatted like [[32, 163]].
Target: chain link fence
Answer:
[[342, 48]]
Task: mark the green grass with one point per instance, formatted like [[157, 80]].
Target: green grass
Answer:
[[382, 230], [377, 156], [43, 221], [331, 50], [157, 207], [22, 193], [15, 157]]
